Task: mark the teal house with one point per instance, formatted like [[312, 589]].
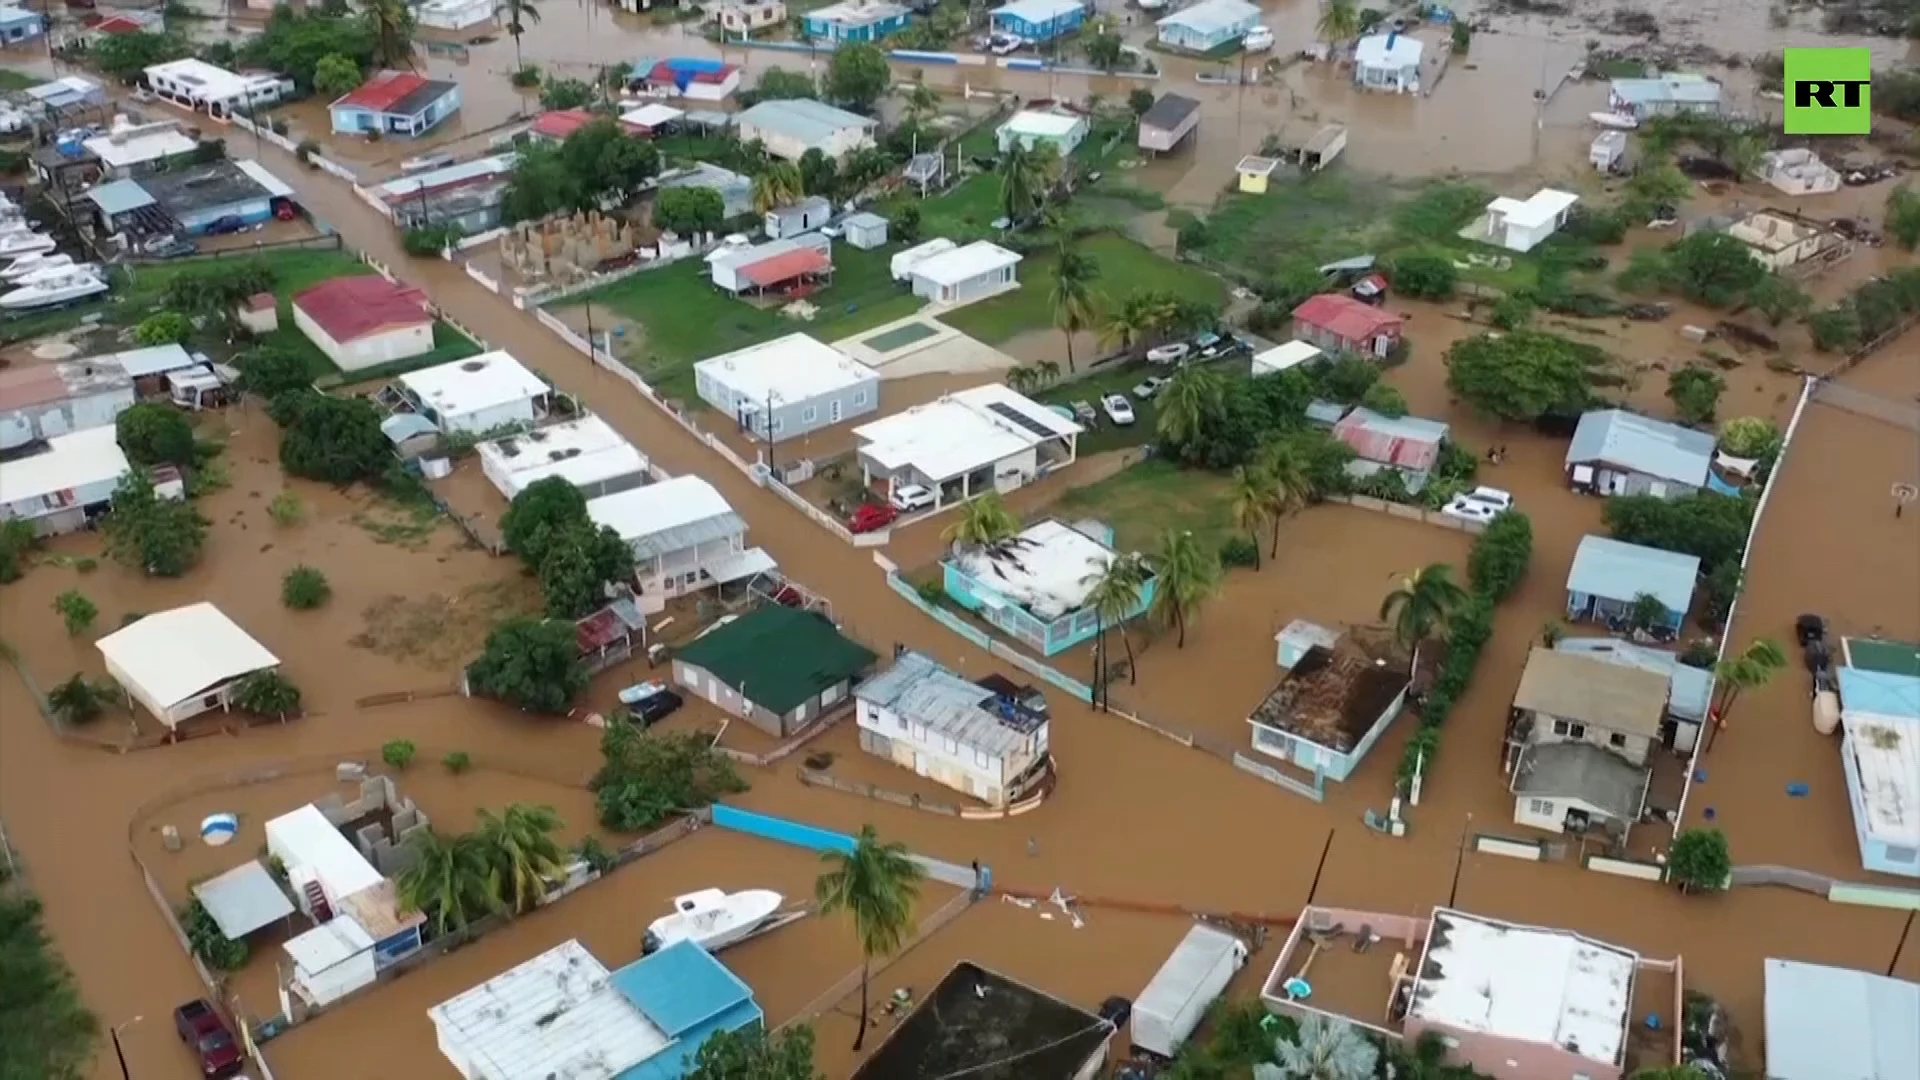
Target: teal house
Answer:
[[855, 21], [1034, 587]]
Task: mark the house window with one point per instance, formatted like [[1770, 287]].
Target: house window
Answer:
[[1617, 741], [952, 745], [980, 758], [1539, 806], [860, 396], [1902, 854], [809, 414], [1569, 730]]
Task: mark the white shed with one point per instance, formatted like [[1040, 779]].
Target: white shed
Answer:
[[486, 393], [1521, 226], [587, 452], [866, 230], [1033, 127], [183, 662], [330, 961], [964, 274], [1282, 357]]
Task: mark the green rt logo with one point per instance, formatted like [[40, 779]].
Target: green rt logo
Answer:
[[1829, 91]]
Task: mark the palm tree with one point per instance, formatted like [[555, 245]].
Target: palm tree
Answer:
[[777, 185], [1187, 575], [876, 883], [1252, 504], [1184, 404], [1323, 1049], [1021, 378], [1022, 181], [516, 14], [983, 522], [449, 878], [1072, 295], [1422, 603], [1339, 21], [1113, 596], [1046, 371], [525, 856], [392, 24], [1284, 469], [1753, 668]]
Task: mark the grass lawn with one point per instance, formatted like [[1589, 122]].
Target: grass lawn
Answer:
[[684, 318], [11, 80], [1125, 268], [1111, 379], [1145, 500]]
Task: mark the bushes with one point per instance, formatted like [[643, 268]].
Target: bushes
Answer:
[[304, 588], [1425, 276], [430, 241], [267, 693], [457, 762], [16, 539], [1499, 557], [163, 328], [154, 434], [1239, 551], [208, 942], [398, 753]]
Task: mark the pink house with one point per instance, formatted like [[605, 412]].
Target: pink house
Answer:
[[1515, 1002]]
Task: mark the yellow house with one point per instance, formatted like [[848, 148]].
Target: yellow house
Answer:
[[1253, 172]]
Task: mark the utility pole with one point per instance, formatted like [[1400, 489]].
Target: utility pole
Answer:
[[120, 1053]]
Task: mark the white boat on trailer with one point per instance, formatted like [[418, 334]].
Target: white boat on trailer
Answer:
[[1615, 121], [24, 242], [714, 919], [61, 289], [33, 264]]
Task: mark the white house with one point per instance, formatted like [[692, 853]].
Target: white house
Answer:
[[1781, 241], [922, 717], [965, 274], [967, 443], [364, 320], [323, 866], [183, 662], [454, 14], [1034, 127], [124, 151], [787, 387], [1799, 171], [1578, 739], [791, 128], [486, 393], [587, 453], [902, 263], [330, 961], [1521, 226], [685, 537], [1208, 25], [40, 401], [61, 488], [1389, 61], [799, 217], [213, 90]]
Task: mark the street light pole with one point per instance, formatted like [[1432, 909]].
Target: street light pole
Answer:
[[120, 1053]]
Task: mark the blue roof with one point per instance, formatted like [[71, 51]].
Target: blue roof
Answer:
[[10, 16], [1828, 1023], [680, 987], [119, 197], [1879, 693], [1620, 571], [1630, 441], [1689, 689], [1037, 11]]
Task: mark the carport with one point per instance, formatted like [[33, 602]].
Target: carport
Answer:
[[244, 899]]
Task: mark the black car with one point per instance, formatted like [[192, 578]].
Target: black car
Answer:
[[655, 707], [232, 223]]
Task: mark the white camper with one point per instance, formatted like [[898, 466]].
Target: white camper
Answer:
[[1175, 1002]]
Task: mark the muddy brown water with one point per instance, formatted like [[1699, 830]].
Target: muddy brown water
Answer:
[[1134, 817]]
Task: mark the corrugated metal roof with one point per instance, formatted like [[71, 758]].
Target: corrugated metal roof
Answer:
[[1589, 689], [803, 119], [680, 987], [1620, 571], [1829, 1023], [1212, 16], [1690, 689], [119, 197], [243, 899], [1582, 771], [919, 690], [1879, 693], [1654, 447]]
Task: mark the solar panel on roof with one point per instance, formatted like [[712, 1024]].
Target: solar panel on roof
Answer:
[[1002, 409]]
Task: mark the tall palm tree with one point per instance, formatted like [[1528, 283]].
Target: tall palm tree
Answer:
[[876, 883], [517, 15], [1188, 574], [392, 24], [1113, 596], [777, 185], [1021, 379], [1421, 604], [449, 878], [1183, 404], [1323, 1049], [983, 522], [1022, 181], [1286, 471], [1339, 21], [1754, 667], [1252, 504], [1046, 371], [1072, 294], [525, 856]]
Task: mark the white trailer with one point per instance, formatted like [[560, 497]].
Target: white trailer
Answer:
[[1176, 1000]]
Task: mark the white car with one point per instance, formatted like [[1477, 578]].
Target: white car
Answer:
[[910, 498], [1148, 387], [1257, 39], [1481, 504], [1117, 409], [1167, 354]]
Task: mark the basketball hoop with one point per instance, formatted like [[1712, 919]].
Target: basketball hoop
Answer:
[[1905, 493]]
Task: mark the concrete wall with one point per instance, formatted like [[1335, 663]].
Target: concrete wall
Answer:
[[814, 838]]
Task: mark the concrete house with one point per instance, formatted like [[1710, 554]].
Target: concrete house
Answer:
[[43, 401], [1608, 574], [854, 20], [1664, 95], [967, 443], [364, 320], [219, 93], [696, 78], [1039, 20], [1880, 757], [1521, 225], [1578, 739], [66, 485], [139, 148], [1208, 25], [1035, 587], [483, 394], [774, 265], [804, 216], [684, 535], [1799, 171], [964, 274], [922, 717], [1615, 452], [1389, 62], [1339, 323], [788, 387], [18, 24], [865, 230], [735, 190], [453, 14], [222, 193], [397, 103], [791, 128], [466, 195], [587, 453], [1171, 119], [776, 667], [1787, 243], [1830, 1022], [1689, 689], [740, 18], [178, 664], [1034, 127], [1338, 693]]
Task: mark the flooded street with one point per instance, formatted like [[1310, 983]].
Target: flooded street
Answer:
[[1135, 816]]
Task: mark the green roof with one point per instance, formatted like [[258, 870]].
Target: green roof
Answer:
[[777, 656]]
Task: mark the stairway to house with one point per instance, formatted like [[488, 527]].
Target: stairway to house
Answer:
[[317, 902]]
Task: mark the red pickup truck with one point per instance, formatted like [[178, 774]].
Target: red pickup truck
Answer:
[[202, 1029]]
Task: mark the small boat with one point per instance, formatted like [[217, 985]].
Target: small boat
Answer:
[[1616, 121], [24, 242], [62, 289], [50, 274], [30, 264], [711, 918]]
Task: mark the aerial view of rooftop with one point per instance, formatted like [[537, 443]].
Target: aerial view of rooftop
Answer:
[[550, 541]]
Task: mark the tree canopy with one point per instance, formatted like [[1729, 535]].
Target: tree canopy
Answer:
[[752, 1054], [125, 56], [858, 76], [1524, 374], [336, 74], [1707, 525], [1695, 392], [1713, 268], [331, 439], [533, 664], [599, 161], [576, 566], [163, 537], [152, 433], [644, 778], [689, 210], [271, 371], [779, 84], [542, 512], [295, 43]]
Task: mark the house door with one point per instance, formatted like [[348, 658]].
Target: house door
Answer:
[[1657, 489], [1669, 729]]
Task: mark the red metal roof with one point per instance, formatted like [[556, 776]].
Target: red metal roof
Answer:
[[561, 122], [384, 91], [350, 308], [786, 266], [1388, 447], [1345, 317], [118, 24]]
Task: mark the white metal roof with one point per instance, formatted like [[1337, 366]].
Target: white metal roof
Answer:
[[69, 461], [652, 115], [208, 81], [786, 370], [273, 185], [1830, 1023], [137, 145], [332, 942], [1390, 50], [243, 899], [656, 508], [152, 360], [555, 1017], [1544, 986], [1212, 15], [584, 452], [1886, 755], [1046, 125], [469, 386], [964, 263], [174, 655], [1037, 11], [306, 841], [1050, 571], [1538, 209], [1281, 357], [960, 432]]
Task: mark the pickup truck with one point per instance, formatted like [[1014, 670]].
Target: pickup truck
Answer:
[[202, 1029]]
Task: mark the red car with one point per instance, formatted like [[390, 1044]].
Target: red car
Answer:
[[202, 1029], [871, 517]]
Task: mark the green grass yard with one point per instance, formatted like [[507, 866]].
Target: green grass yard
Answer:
[[1145, 500], [1110, 379], [1125, 268]]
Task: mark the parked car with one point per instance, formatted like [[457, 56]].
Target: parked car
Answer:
[[910, 498], [650, 702], [1480, 504], [1149, 386], [1118, 409], [232, 223], [206, 1033], [1257, 39], [1167, 354], [871, 517], [1209, 345], [1083, 412]]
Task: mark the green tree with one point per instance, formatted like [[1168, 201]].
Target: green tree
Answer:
[[1646, 612], [644, 778], [1324, 1048], [126, 56], [1750, 669], [779, 184], [391, 23], [1699, 860], [1103, 45], [1524, 374], [532, 664], [449, 879], [155, 434], [163, 328], [689, 210], [271, 371], [1425, 275], [1251, 499], [876, 885], [163, 537], [1139, 100], [1339, 21], [1713, 268], [209, 942], [753, 1054], [1655, 187], [606, 162], [1422, 604], [1071, 296], [1903, 216], [906, 224], [1385, 400], [76, 701], [779, 84], [1709, 526], [76, 611], [1184, 404], [1186, 574], [17, 539], [1778, 299], [525, 857], [267, 693], [542, 513], [398, 753], [304, 588], [336, 75], [1022, 184], [576, 567], [457, 762], [1114, 594], [1749, 436], [516, 16], [818, 173], [1695, 392], [857, 76], [336, 440], [984, 522], [1286, 470], [566, 94], [1498, 559]]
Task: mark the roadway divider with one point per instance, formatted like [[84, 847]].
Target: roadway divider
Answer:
[[814, 838]]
